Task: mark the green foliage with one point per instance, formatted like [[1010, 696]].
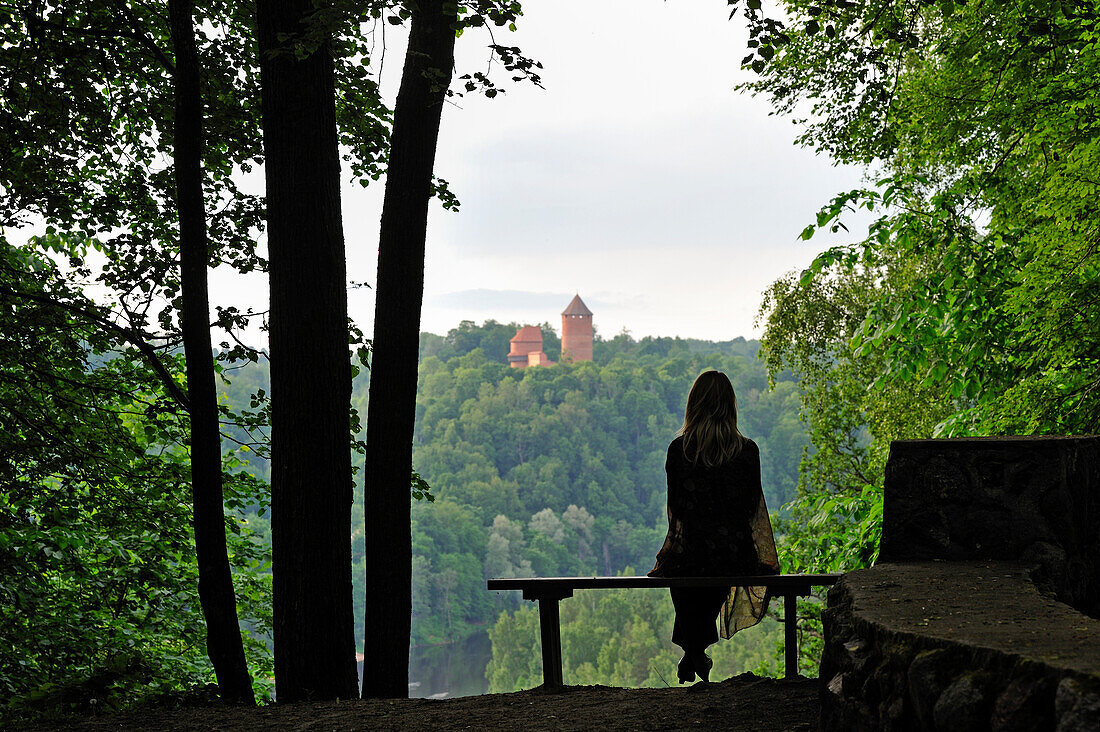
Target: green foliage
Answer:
[[99, 462], [98, 601], [969, 308], [550, 471], [554, 436], [834, 520], [559, 470], [97, 566], [517, 662], [577, 489], [981, 116]]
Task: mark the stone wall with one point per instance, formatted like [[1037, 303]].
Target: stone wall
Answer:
[[1034, 499], [964, 622]]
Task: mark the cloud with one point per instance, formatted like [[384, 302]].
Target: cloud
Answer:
[[638, 177]]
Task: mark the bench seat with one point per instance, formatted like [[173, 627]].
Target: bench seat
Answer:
[[547, 591]]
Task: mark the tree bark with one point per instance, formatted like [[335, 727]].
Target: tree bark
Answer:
[[311, 483], [425, 77], [219, 604]]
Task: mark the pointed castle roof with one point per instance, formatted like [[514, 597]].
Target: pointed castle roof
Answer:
[[576, 307]]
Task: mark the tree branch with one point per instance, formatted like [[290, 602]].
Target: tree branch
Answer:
[[130, 335]]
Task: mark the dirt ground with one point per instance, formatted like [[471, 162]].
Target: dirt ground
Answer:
[[743, 702]]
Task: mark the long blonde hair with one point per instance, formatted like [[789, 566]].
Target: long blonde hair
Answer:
[[710, 421]]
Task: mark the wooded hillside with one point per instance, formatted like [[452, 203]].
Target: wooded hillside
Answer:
[[556, 470]]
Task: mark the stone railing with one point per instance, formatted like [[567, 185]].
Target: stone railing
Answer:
[[981, 613]]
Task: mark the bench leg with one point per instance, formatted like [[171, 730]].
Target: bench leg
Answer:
[[551, 642], [790, 636]]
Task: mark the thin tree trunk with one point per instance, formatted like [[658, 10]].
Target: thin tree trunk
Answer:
[[399, 296], [219, 605], [311, 483]]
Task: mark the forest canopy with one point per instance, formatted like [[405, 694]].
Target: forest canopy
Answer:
[[557, 471], [560, 470], [970, 307]]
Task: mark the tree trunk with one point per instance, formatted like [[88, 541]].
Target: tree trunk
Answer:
[[311, 484], [400, 292], [219, 605]]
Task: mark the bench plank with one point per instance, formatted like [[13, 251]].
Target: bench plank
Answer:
[[547, 591], [549, 584]]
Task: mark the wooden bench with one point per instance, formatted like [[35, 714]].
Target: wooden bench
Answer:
[[548, 590]]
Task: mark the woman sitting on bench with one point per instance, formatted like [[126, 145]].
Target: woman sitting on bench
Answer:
[[718, 524]]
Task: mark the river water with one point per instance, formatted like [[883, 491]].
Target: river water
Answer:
[[454, 669]]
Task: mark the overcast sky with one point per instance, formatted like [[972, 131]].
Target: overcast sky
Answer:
[[638, 178]]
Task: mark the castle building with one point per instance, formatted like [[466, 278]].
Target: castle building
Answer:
[[526, 348], [576, 339], [576, 331]]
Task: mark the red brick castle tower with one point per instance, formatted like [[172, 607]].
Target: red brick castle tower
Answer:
[[576, 331]]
